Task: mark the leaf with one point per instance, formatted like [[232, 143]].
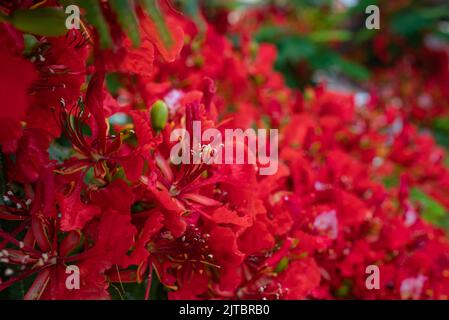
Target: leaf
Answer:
[[441, 137], [113, 83], [364, 35], [330, 35], [270, 34], [442, 35], [433, 211], [294, 49], [441, 123], [327, 59], [344, 290], [354, 70], [435, 12], [410, 21], [390, 181], [282, 265]]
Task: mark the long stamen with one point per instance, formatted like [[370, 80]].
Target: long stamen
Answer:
[[14, 233], [18, 243]]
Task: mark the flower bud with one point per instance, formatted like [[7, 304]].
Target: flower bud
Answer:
[[41, 21], [159, 115]]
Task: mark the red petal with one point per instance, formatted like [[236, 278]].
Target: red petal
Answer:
[[75, 214]]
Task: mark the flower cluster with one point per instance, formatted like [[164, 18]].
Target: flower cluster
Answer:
[[88, 181]]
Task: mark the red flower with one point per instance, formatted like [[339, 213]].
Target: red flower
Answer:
[[16, 79]]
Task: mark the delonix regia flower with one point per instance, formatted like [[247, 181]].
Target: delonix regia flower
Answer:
[[87, 177]]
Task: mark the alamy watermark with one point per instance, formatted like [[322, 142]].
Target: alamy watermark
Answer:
[[373, 20], [74, 19], [72, 281], [373, 279]]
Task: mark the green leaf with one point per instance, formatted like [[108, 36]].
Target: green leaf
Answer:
[[282, 265], [46, 21], [433, 212], [113, 82], [270, 34], [435, 12], [410, 21], [344, 290], [441, 137], [441, 123], [327, 59], [441, 35], [391, 181], [330, 35], [364, 35], [354, 70], [127, 19], [296, 48]]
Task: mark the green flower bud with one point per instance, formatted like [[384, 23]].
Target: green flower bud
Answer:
[[159, 115], [48, 22]]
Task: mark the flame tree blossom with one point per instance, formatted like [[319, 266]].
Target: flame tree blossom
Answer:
[[87, 178]]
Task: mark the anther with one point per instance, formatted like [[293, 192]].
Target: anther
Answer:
[[9, 272]]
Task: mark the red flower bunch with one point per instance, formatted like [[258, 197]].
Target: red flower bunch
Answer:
[[88, 181]]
